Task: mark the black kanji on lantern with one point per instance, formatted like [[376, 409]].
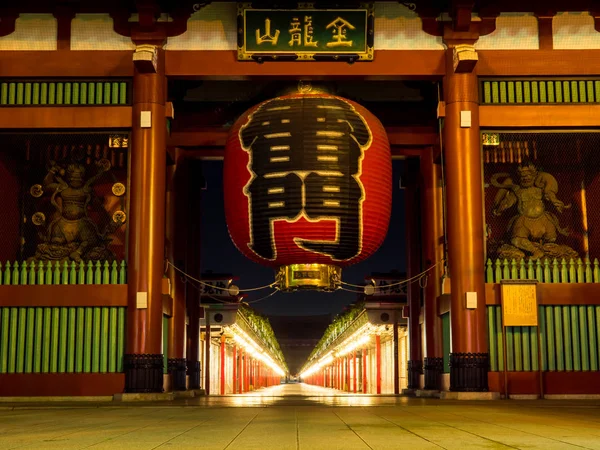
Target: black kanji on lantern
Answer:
[[305, 156]]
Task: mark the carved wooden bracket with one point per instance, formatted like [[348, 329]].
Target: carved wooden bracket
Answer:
[[148, 30], [8, 19], [465, 58]]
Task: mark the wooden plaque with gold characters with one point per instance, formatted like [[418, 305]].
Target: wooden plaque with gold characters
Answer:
[[305, 33], [519, 303]]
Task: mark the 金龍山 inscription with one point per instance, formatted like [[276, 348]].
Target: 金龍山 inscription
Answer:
[[303, 33]]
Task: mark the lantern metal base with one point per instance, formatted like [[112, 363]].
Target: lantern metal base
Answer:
[[318, 277]]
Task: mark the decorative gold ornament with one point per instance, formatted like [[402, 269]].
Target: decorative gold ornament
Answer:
[[321, 277], [490, 139], [118, 141], [36, 190], [38, 218], [104, 164], [119, 216], [118, 189], [304, 87]]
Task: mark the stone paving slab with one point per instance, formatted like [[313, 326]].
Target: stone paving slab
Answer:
[[310, 418]]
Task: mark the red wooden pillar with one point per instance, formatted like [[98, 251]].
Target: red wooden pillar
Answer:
[[433, 253], [143, 359], [234, 375], [465, 228], [364, 370], [378, 362], [241, 373], [340, 374], [355, 372], [222, 361], [177, 207]]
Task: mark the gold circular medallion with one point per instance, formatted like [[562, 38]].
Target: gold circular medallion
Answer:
[[38, 218], [36, 190], [119, 216], [118, 189], [104, 164]]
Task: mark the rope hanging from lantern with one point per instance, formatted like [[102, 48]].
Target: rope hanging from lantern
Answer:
[[169, 263], [410, 280]]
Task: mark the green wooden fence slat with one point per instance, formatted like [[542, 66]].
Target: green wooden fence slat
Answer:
[[582, 91], [46, 340], [550, 342], [526, 340], [123, 93], [43, 93], [121, 318], [583, 338], [96, 327], [487, 92], [83, 94], [503, 94], [589, 91], [79, 345], [533, 334], [518, 347], [574, 92], [21, 329], [75, 94], [29, 340], [91, 95], [4, 93], [104, 333], [99, 96], [39, 330], [27, 99], [4, 339], [114, 92], [568, 344], [499, 337], [62, 340], [88, 340], [68, 94], [12, 349], [575, 334], [493, 345], [20, 93], [107, 96], [113, 336], [593, 339], [36, 94], [543, 337], [510, 349], [559, 336], [51, 93], [72, 326], [12, 93], [60, 93], [54, 340]]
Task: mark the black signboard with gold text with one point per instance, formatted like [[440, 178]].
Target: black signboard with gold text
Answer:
[[305, 34]]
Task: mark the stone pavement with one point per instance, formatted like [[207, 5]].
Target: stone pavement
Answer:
[[302, 417]]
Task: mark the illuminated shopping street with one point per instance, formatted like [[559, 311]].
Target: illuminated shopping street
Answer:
[[297, 416]]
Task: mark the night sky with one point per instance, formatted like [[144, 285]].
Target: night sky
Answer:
[[220, 255]]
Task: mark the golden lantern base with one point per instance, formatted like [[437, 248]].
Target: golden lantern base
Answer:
[[318, 277]]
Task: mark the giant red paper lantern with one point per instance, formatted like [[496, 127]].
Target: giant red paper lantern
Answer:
[[307, 181]]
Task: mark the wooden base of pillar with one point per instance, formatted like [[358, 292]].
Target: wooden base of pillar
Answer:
[[469, 372], [177, 370], [143, 373], [193, 372], [415, 370], [433, 371]]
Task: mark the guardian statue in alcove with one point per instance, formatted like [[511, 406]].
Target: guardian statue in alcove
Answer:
[[72, 235], [534, 230]]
